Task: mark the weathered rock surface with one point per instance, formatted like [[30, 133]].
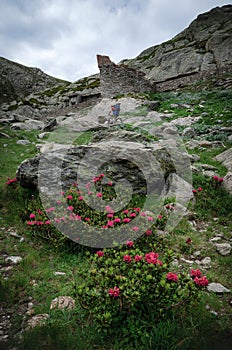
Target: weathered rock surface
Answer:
[[201, 49], [217, 288], [17, 80], [37, 320], [63, 302], [223, 248]]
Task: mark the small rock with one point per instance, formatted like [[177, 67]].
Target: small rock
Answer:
[[37, 320], [227, 182], [215, 239], [223, 248], [14, 234], [59, 273], [63, 302], [197, 253], [206, 262], [188, 132], [14, 259], [187, 261], [42, 135], [175, 262], [23, 142], [217, 288], [194, 158]]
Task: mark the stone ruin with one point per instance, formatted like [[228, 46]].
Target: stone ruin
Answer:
[[120, 79]]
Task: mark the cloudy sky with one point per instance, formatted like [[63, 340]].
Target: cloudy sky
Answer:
[[62, 37]]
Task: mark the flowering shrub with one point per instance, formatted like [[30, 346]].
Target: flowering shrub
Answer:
[[72, 206], [128, 280]]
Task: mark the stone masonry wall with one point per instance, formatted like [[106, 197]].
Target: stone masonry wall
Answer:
[[120, 79]]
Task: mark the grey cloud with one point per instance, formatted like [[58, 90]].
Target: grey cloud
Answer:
[[62, 37]]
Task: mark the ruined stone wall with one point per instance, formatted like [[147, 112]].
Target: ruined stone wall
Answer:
[[120, 79]]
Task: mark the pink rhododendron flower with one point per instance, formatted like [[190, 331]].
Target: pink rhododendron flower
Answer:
[[30, 223], [200, 189], [70, 207], [59, 201], [100, 253], [143, 213], [62, 193], [87, 219], [110, 215], [148, 232], [78, 217], [151, 258], [90, 192], [114, 292], [99, 194], [135, 228], [47, 222], [109, 209], [110, 183], [194, 191], [215, 177], [126, 220], [220, 179], [132, 215], [159, 262], [137, 209], [138, 258], [110, 223], [40, 211], [189, 241], [195, 273], [57, 220], [10, 181], [202, 281], [72, 217], [117, 220], [126, 211], [80, 198], [150, 218], [39, 223], [159, 217], [70, 197], [129, 243], [104, 226], [48, 210], [32, 216], [172, 277], [127, 258]]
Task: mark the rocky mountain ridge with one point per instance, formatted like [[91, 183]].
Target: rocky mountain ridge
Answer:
[[17, 81], [204, 48]]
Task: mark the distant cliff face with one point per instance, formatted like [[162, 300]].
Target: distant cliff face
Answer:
[[204, 48], [18, 81]]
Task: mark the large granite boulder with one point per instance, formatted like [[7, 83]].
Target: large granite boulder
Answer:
[[121, 155]]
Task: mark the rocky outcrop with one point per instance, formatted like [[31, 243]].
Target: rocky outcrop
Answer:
[[201, 50], [18, 81]]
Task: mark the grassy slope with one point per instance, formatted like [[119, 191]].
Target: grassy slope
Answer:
[[34, 279]]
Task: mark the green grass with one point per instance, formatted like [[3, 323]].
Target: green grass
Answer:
[[34, 279]]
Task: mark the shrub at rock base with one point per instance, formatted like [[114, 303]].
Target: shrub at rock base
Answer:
[[133, 281]]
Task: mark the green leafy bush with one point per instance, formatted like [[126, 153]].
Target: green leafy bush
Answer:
[[134, 280]]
